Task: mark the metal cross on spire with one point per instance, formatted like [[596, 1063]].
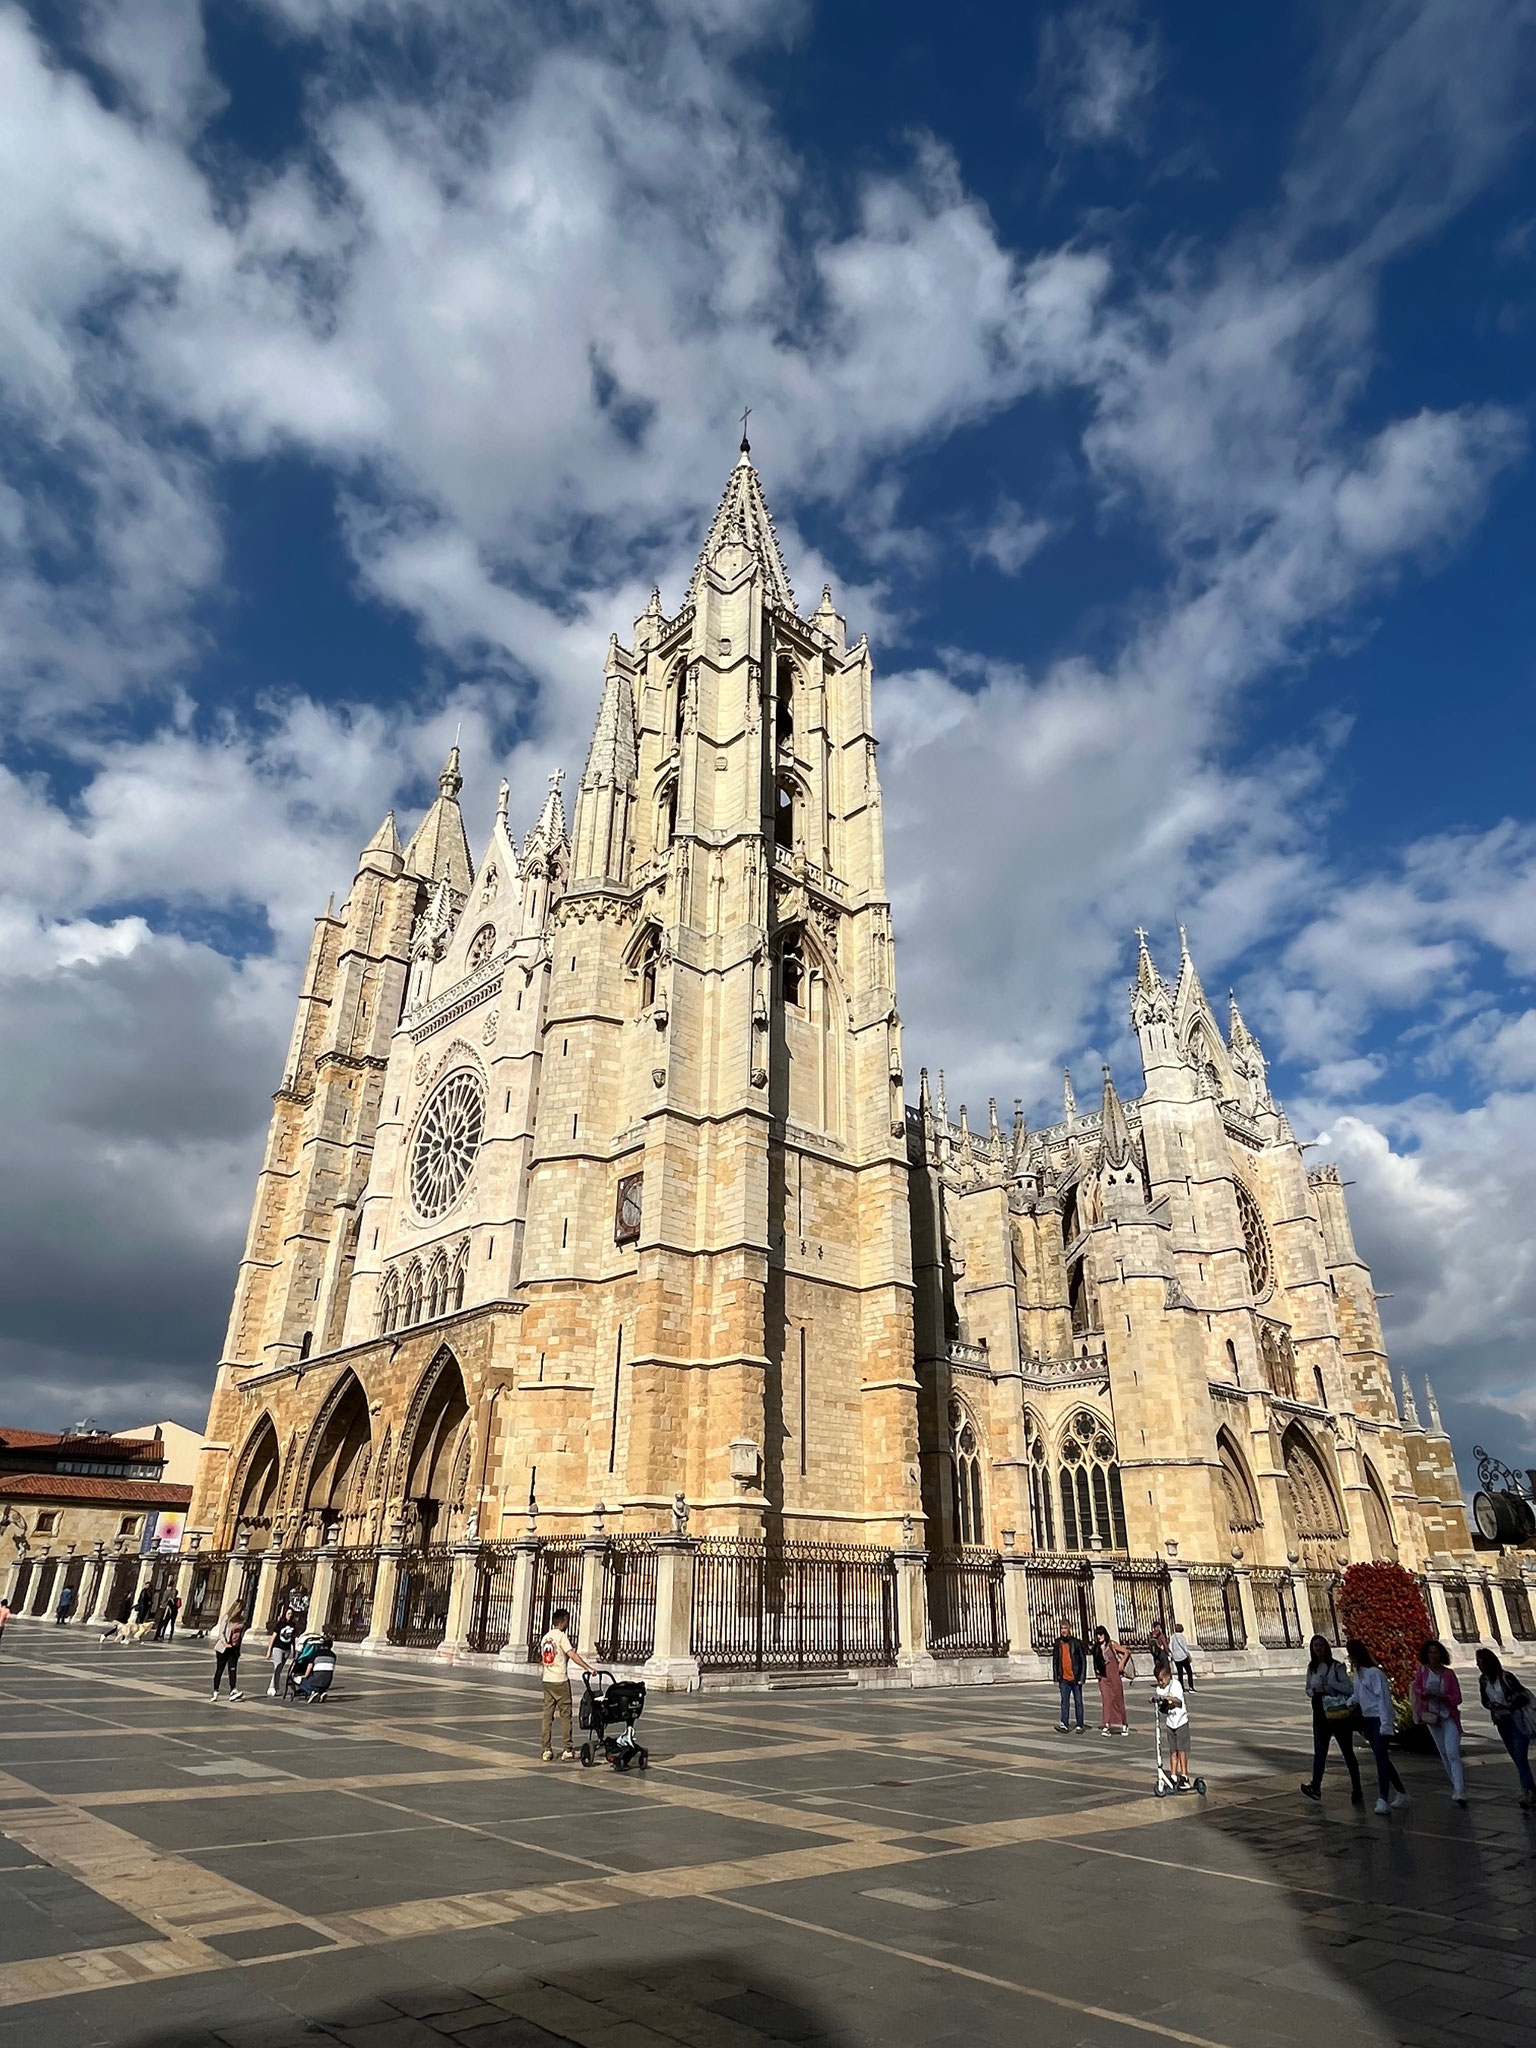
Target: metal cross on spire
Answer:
[[746, 446]]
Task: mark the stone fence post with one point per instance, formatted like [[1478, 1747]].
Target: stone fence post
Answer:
[[461, 1601], [1247, 1604], [912, 1651], [383, 1597], [594, 1553], [100, 1614], [1104, 1609], [319, 1610], [525, 1564], [672, 1664]]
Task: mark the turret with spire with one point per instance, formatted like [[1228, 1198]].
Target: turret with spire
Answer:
[[439, 847]]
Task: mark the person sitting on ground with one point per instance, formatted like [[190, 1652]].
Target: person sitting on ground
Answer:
[[1169, 1697], [1332, 1693], [1514, 1715], [319, 1670]]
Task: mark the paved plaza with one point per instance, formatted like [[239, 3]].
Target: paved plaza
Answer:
[[398, 1870]]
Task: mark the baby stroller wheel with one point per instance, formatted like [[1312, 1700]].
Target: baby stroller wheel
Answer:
[[586, 1756], [644, 1757]]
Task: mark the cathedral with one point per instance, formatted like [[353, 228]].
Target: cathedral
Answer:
[[593, 1201]]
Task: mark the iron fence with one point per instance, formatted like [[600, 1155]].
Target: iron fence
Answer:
[[1492, 1613], [626, 1631], [792, 1606], [1213, 1593], [490, 1607], [354, 1579], [295, 1583], [1517, 1598], [418, 1618], [556, 1584], [966, 1616], [1058, 1589], [1141, 1600], [1323, 1599], [200, 1609], [1458, 1605], [1274, 1601]]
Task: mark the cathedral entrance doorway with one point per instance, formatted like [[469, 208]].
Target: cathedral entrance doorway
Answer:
[[436, 1453], [1320, 1531], [255, 1490], [336, 1481]]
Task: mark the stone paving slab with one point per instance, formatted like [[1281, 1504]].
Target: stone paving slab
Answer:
[[823, 1866]]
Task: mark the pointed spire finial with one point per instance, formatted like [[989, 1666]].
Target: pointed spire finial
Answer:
[[503, 798], [654, 607], [746, 445], [1433, 1405], [1114, 1131], [1068, 1099], [450, 782], [996, 1130], [924, 1097], [1410, 1406]]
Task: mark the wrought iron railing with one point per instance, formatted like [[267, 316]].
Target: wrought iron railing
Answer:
[[1274, 1601], [354, 1580], [966, 1616], [1323, 1598], [200, 1609], [792, 1606], [1218, 1608], [626, 1631], [1458, 1605], [490, 1607], [1058, 1589], [556, 1584], [1141, 1600], [295, 1582], [419, 1611], [1517, 1599]]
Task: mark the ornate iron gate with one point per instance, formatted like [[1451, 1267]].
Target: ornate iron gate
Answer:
[[965, 1604], [1141, 1599], [626, 1631], [1057, 1590], [556, 1584], [1458, 1604], [1517, 1598], [419, 1613], [1219, 1623], [350, 1613], [490, 1613], [792, 1607], [1322, 1598], [1274, 1600]]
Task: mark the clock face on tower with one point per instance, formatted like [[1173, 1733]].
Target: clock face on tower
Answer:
[[626, 1213]]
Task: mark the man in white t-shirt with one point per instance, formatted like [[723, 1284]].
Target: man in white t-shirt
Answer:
[[557, 1653]]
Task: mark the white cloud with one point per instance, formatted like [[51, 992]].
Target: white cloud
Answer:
[[1010, 539], [1099, 65]]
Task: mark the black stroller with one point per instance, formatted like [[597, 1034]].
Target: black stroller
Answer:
[[608, 1702]]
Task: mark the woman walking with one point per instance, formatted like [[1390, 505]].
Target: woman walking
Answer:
[[1373, 1704], [1111, 1662], [1514, 1715], [1436, 1694], [226, 1652], [1332, 1693]]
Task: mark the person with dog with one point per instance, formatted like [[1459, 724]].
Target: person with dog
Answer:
[[557, 1653]]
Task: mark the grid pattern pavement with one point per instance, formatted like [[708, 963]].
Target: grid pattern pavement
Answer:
[[398, 1869]]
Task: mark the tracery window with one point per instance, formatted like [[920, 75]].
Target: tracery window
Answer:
[[1088, 1485], [784, 704], [650, 962], [460, 1272], [666, 817], [437, 1287], [1378, 1518], [1255, 1243], [784, 814], [680, 699], [389, 1302], [1042, 1512], [1242, 1507], [965, 1475], [447, 1143], [482, 946], [1279, 1359], [410, 1296], [792, 960], [1319, 1523]]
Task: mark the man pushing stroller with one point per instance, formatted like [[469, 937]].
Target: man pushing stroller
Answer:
[[557, 1653]]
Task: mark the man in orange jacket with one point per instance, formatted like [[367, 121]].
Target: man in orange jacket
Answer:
[[1069, 1660]]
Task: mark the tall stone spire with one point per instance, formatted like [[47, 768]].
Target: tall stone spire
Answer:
[[743, 520], [439, 848], [1068, 1099], [382, 855], [1239, 1037], [1115, 1131], [600, 847], [1188, 992], [1410, 1406]]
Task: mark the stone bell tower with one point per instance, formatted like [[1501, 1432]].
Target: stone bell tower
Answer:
[[717, 1264]]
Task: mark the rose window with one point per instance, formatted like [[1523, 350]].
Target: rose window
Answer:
[[447, 1142]]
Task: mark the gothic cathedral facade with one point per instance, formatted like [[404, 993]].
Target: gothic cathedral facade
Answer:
[[591, 1179]]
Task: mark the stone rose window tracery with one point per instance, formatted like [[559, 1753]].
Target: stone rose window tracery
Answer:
[[1255, 1244], [447, 1143], [482, 946]]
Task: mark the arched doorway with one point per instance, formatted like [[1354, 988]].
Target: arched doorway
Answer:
[[254, 1492], [1378, 1518], [1242, 1501], [438, 1435], [1319, 1519], [338, 1464]]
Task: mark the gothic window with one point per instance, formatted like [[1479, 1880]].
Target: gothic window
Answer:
[[1322, 1391], [1232, 1358], [1088, 1485], [792, 968], [679, 700], [482, 946], [437, 1287], [1081, 1299], [965, 1476], [784, 814], [1042, 1513], [410, 1297], [626, 1209], [1378, 1518], [1242, 1506], [306, 1344], [1319, 1524], [460, 1270], [650, 961], [389, 1303], [784, 705], [1255, 1243], [666, 817], [447, 1143]]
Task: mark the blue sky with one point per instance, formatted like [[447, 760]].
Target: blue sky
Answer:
[[1152, 384]]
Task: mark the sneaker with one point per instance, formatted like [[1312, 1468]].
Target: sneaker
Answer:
[[1311, 1792], [1458, 1799], [1125, 1730], [567, 1756], [1106, 1731], [213, 1699], [1381, 1806], [1398, 1799], [1061, 1727], [546, 1756], [237, 1695]]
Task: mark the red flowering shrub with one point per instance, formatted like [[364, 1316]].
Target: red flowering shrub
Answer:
[[1382, 1605]]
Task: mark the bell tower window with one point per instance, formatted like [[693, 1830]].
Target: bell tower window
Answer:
[[784, 815], [666, 821], [793, 970], [650, 961], [784, 706], [679, 700]]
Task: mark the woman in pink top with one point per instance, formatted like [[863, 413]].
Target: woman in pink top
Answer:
[[1436, 1699]]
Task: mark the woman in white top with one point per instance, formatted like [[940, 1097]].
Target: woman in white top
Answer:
[[1378, 1717]]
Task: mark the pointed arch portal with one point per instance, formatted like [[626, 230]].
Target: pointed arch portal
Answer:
[[430, 1454], [1319, 1519]]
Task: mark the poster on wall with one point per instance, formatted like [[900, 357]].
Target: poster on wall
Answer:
[[162, 1533]]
